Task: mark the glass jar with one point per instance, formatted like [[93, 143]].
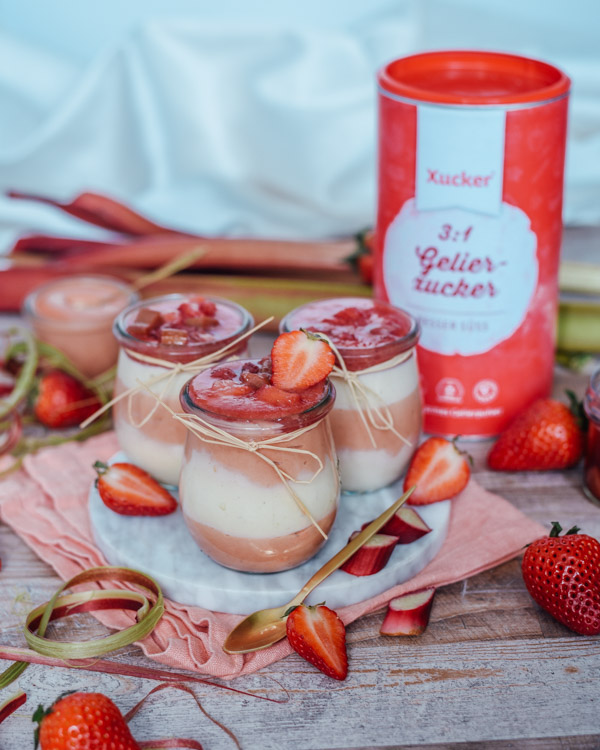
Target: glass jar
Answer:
[[75, 314], [377, 343], [155, 443], [591, 463], [239, 509]]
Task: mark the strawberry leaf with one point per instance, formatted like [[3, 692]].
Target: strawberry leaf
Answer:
[[577, 410], [556, 529]]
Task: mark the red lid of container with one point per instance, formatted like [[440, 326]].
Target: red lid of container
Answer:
[[473, 77]]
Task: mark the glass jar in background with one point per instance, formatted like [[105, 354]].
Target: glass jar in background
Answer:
[[591, 464], [377, 343], [75, 314], [157, 328], [235, 503]]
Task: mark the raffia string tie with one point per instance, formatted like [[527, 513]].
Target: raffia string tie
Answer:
[[373, 411], [216, 436], [171, 371]]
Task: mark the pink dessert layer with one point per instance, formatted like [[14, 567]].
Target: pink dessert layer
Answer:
[[161, 427], [243, 391], [317, 441], [265, 555], [349, 432]]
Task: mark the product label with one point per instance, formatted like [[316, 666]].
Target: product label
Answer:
[[468, 277], [460, 158]]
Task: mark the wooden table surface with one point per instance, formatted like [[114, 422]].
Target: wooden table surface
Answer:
[[491, 671]]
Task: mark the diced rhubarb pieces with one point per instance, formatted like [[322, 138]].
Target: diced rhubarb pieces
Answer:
[[138, 331], [272, 395], [173, 337], [200, 321], [229, 387], [146, 321], [255, 380], [406, 524], [372, 557], [408, 614], [147, 316], [223, 373]]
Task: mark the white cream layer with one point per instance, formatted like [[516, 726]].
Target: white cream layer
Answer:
[[161, 460], [390, 385], [228, 501], [131, 371], [366, 471]]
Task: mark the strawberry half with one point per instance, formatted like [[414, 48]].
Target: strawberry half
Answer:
[[562, 574], [319, 636], [300, 360], [131, 491], [547, 435], [439, 470]]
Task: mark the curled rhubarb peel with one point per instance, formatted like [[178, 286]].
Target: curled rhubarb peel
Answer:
[[26, 375], [172, 741], [10, 706], [11, 429], [148, 605]]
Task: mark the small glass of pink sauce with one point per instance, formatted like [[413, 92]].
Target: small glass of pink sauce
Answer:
[[176, 328], [75, 314], [591, 461], [234, 503], [377, 343]]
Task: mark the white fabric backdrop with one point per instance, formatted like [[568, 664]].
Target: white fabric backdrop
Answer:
[[261, 125]]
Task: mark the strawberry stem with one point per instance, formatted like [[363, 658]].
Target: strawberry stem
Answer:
[[26, 375], [101, 467], [573, 530], [556, 529]]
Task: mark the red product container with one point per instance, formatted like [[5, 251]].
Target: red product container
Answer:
[[471, 162]]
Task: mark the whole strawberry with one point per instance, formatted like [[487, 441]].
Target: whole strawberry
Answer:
[[83, 721], [547, 435], [63, 401], [562, 574]]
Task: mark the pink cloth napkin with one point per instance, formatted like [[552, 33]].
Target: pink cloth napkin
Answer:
[[46, 505]]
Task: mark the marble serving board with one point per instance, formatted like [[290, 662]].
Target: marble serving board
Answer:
[[163, 548]]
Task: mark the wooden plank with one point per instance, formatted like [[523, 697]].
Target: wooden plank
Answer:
[[492, 670]]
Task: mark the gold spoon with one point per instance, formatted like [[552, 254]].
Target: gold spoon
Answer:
[[267, 626]]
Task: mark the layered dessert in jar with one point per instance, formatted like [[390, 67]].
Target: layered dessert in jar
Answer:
[[154, 335], [76, 314], [239, 509], [376, 421], [591, 461]]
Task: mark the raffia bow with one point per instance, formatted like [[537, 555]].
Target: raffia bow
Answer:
[[171, 371], [373, 411], [216, 436]]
